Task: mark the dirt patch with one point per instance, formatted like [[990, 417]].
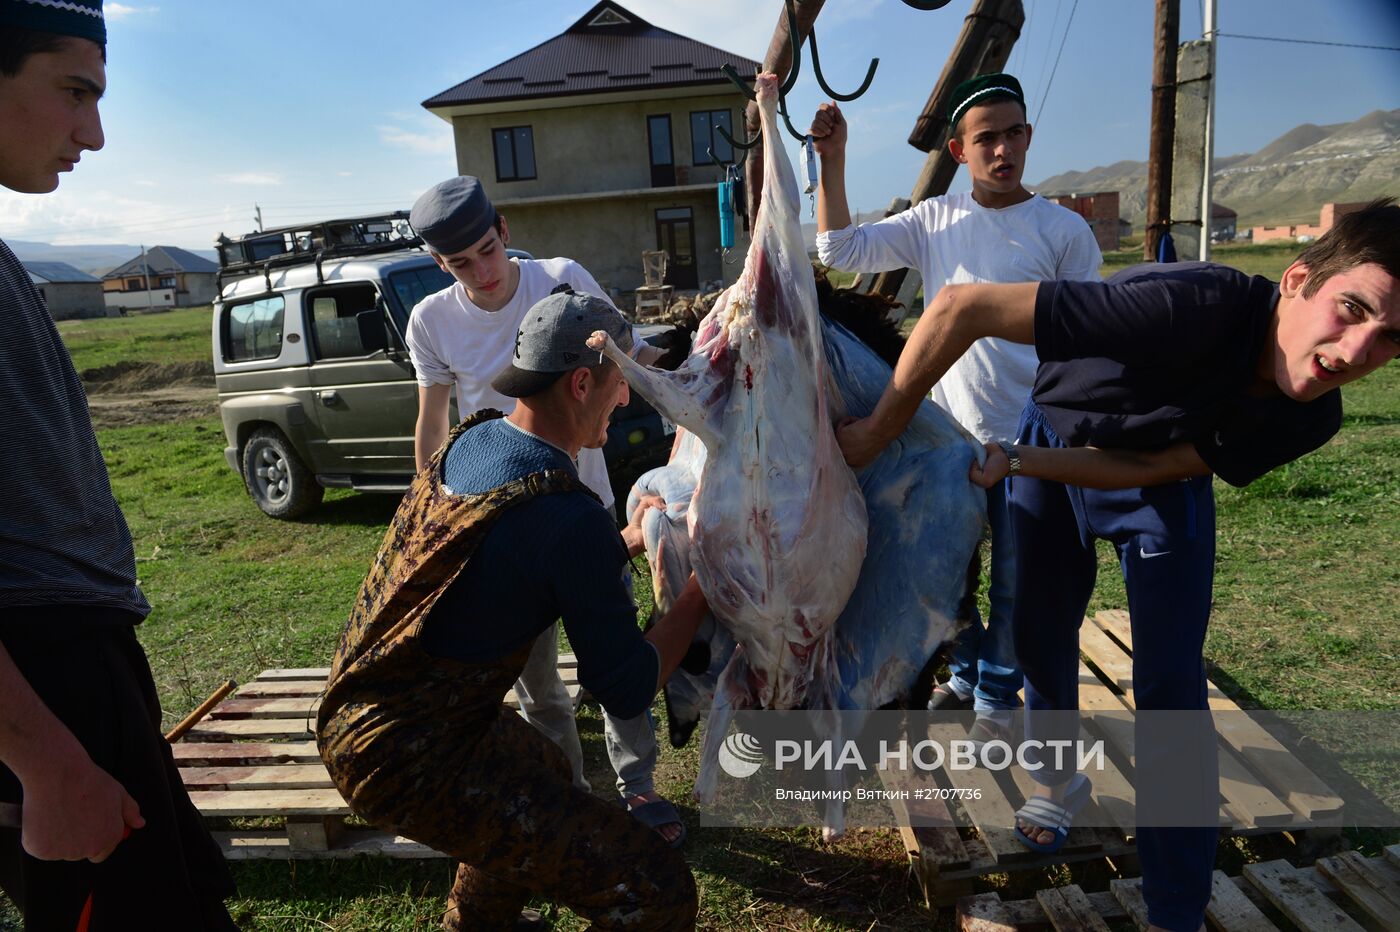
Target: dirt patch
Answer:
[[129, 393], [147, 376]]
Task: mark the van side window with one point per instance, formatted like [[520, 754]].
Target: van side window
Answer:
[[253, 330], [335, 331]]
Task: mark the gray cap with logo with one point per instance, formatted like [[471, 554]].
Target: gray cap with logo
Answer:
[[553, 339]]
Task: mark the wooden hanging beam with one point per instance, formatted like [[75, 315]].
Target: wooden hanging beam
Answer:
[[989, 32]]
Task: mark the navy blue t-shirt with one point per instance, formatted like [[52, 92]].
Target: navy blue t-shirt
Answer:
[[555, 556], [1160, 354]]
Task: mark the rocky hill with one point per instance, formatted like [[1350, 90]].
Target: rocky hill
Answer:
[[1285, 182]]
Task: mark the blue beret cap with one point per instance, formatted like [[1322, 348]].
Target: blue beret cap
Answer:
[[453, 215], [79, 18]]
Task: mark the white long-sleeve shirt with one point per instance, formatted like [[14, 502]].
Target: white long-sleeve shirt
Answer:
[[954, 240]]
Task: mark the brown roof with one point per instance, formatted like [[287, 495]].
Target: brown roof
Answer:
[[608, 49]]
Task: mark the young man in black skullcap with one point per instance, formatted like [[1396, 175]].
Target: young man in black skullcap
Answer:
[[82, 760], [997, 232]]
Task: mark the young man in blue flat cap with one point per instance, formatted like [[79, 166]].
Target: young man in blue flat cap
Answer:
[[458, 339], [997, 232], [497, 539], [82, 760], [1149, 384]]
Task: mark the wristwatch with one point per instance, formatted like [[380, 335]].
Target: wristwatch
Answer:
[[1013, 459]]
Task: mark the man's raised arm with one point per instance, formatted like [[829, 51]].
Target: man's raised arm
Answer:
[[958, 316]]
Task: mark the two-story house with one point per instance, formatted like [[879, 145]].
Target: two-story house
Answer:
[[601, 143]]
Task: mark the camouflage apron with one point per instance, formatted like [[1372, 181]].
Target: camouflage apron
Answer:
[[423, 747]]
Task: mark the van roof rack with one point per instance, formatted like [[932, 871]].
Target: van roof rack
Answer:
[[299, 244]]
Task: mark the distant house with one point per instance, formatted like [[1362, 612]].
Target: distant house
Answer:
[[68, 292], [1328, 216], [1100, 210], [161, 277], [1222, 223], [597, 145]]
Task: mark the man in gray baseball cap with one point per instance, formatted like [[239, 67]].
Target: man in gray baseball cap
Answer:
[[553, 338], [496, 539]]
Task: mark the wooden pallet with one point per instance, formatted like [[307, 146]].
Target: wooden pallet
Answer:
[[1264, 788], [255, 757], [1344, 893]]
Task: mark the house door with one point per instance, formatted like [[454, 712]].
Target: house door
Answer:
[[675, 233], [663, 163]]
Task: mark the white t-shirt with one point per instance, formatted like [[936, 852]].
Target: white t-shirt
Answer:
[[453, 342], [954, 240]]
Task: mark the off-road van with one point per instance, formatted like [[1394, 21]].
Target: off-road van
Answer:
[[315, 385]]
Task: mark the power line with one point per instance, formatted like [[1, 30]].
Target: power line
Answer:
[[1343, 45], [1049, 43], [1046, 95]]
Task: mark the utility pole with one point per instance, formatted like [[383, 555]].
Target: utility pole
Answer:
[[1208, 33], [1159, 150], [146, 268], [257, 217]]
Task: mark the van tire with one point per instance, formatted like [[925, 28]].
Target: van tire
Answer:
[[277, 480]]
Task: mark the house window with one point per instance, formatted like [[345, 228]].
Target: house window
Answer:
[[167, 281], [704, 137], [515, 153]]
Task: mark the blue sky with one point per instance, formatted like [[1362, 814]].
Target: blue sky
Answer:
[[311, 108]]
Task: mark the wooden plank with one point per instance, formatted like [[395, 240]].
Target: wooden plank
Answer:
[[1298, 899], [1249, 803], [1069, 910], [228, 803], [1118, 625], [243, 753], [1392, 854], [319, 833], [295, 673], [270, 707], [925, 825], [234, 729], [1107, 906], [983, 913], [262, 689], [1231, 911], [1366, 885], [275, 845], [1297, 786], [1129, 894], [991, 812], [274, 777]]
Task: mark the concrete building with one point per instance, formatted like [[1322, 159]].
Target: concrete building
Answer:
[[161, 277], [1222, 223], [597, 145], [1099, 209], [1328, 216], [67, 292]]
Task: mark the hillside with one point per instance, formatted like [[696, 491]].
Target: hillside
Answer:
[[1286, 181], [95, 259]]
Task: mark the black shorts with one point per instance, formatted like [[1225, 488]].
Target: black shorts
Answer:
[[94, 677]]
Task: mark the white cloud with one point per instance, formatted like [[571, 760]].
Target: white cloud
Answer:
[[345, 174], [423, 143], [145, 183], [256, 179], [121, 10]]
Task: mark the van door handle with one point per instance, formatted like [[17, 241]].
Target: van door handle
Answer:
[[330, 398]]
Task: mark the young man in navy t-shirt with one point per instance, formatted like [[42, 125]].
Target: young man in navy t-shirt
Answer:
[[1149, 384]]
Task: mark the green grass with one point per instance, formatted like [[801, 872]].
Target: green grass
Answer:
[[1304, 618], [1268, 259], [181, 335]]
